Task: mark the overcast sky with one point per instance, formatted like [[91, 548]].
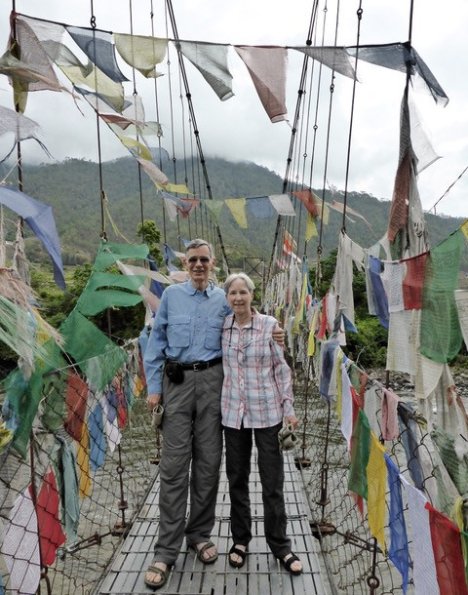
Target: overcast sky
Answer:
[[239, 129]]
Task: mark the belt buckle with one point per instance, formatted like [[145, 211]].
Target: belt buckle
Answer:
[[196, 366]]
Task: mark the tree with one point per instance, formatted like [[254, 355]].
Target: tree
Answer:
[[151, 236], [367, 347]]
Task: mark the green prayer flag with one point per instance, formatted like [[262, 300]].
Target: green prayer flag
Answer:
[[360, 451], [107, 290], [95, 354], [441, 336], [110, 252], [24, 395]]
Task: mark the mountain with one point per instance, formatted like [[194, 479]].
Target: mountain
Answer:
[[72, 188]]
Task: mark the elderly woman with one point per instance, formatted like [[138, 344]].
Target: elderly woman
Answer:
[[256, 399]]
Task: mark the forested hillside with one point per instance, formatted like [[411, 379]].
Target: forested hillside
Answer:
[[72, 189]]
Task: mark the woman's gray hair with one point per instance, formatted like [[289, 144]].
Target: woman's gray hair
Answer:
[[245, 278]]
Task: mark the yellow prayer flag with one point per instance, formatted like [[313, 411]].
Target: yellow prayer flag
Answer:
[[311, 228], [376, 486], [457, 512], [300, 310], [179, 188], [464, 229], [138, 386], [311, 341], [325, 215], [237, 208], [140, 149], [82, 460]]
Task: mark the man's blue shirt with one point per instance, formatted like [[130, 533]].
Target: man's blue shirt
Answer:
[[187, 328]]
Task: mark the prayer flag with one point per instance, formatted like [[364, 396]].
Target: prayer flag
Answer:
[[82, 461], [98, 46], [237, 208], [376, 486], [51, 535], [283, 205], [267, 67], [422, 554], [141, 52], [398, 551], [447, 553], [309, 200], [211, 60], [360, 452]]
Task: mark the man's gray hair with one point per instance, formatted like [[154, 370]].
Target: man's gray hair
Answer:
[[245, 278], [198, 243]]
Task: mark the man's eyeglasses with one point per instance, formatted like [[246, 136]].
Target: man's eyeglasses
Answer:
[[202, 259]]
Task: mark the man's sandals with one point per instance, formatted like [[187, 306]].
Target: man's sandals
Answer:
[[154, 572], [288, 561], [201, 550], [236, 551]]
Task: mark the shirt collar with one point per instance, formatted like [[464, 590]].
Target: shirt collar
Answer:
[[254, 323], [192, 290]]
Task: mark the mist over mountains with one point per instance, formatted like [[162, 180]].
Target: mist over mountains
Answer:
[[72, 188]]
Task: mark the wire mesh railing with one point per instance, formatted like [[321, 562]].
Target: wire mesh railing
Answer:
[[65, 506]]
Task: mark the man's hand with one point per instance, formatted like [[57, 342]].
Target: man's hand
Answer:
[[153, 400], [278, 335]]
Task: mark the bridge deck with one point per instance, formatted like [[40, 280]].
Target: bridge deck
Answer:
[[261, 574]]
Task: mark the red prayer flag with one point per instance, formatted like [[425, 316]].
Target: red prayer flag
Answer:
[[76, 396], [413, 282], [308, 199], [448, 557], [322, 332], [289, 243], [51, 535]]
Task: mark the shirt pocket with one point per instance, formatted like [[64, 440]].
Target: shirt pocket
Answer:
[[214, 329], [178, 331]]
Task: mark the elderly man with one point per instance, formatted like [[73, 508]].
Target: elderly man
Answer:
[[183, 362]]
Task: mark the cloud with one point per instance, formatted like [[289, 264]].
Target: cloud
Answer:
[[239, 129]]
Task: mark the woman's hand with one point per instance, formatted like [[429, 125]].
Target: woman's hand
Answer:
[[291, 420], [278, 335]]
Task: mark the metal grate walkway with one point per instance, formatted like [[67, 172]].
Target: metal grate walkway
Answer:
[[261, 575]]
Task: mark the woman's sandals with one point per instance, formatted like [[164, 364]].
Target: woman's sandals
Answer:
[[288, 561], [237, 552]]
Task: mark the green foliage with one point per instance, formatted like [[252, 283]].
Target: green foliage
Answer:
[[368, 347], [151, 236]]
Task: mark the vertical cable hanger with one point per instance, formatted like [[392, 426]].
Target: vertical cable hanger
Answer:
[[327, 151], [193, 119], [103, 234], [19, 157], [351, 120], [305, 153], [184, 151], [135, 95], [156, 99], [315, 125], [297, 113]]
